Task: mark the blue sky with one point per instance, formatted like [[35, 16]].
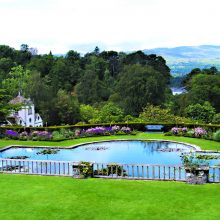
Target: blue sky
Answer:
[[122, 25]]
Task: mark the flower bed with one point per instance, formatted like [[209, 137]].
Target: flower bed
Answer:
[[97, 131], [65, 134], [197, 132], [35, 135]]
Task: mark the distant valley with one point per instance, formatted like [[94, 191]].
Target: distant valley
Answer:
[[182, 60]]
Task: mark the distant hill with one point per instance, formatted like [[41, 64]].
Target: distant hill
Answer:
[[182, 60]]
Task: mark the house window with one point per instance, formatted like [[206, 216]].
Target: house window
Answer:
[[30, 120], [20, 122], [30, 111]]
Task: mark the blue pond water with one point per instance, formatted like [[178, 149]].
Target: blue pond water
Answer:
[[127, 152]]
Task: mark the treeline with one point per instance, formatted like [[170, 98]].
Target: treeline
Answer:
[[101, 86]]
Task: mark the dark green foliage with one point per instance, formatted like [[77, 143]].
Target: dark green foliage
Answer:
[[58, 85], [155, 114], [157, 62], [91, 90], [205, 88], [196, 71], [216, 119], [203, 113], [139, 85], [110, 170], [4, 106], [216, 135], [85, 169]]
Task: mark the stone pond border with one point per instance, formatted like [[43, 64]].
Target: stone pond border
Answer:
[[193, 146], [190, 177]]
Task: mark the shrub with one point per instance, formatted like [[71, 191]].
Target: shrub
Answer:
[[11, 134], [85, 169], [175, 130], [57, 135], [189, 133], [203, 113], [169, 133], [66, 133], [115, 128], [199, 132], [23, 136], [62, 134], [41, 135], [216, 135], [126, 130], [184, 130], [216, 119], [77, 133]]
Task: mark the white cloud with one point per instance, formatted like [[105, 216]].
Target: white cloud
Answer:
[[113, 24]]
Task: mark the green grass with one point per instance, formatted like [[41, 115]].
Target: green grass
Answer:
[[37, 197], [204, 144]]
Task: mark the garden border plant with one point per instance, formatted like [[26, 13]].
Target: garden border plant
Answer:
[[197, 132], [67, 134]]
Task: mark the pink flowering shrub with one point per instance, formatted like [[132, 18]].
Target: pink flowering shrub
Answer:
[[199, 132], [184, 129], [126, 129], [196, 132], [176, 130]]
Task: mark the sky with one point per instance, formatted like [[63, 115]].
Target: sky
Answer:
[[121, 25]]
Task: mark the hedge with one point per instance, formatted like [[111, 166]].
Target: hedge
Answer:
[[134, 126]]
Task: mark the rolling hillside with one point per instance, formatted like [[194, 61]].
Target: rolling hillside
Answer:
[[182, 60]]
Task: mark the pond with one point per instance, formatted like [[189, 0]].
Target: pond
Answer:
[[126, 152]]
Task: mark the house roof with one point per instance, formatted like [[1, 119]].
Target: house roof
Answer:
[[21, 100]]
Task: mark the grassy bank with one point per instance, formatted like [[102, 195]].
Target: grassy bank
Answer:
[[204, 144], [37, 197]]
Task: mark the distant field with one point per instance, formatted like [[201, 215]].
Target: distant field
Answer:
[[183, 59], [181, 67]]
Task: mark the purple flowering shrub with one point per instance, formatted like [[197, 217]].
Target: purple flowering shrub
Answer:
[[196, 132], [179, 131], [116, 128], [184, 130], [175, 130], [35, 135], [199, 132], [99, 131], [68, 134], [126, 130], [41, 135], [11, 134]]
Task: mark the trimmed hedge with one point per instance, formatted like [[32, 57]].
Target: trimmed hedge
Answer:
[[134, 126]]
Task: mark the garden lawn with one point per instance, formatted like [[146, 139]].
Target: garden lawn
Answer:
[[37, 197], [204, 144]]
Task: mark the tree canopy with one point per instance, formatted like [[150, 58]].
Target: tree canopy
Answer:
[[100, 86]]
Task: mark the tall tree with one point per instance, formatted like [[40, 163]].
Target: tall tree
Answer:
[[67, 108], [205, 88], [202, 113], [139, 85], [4, 106], [17, 81]]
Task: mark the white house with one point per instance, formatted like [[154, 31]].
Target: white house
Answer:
[[26, 116]]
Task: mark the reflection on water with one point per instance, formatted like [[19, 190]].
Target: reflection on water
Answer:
[[127, 152]]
